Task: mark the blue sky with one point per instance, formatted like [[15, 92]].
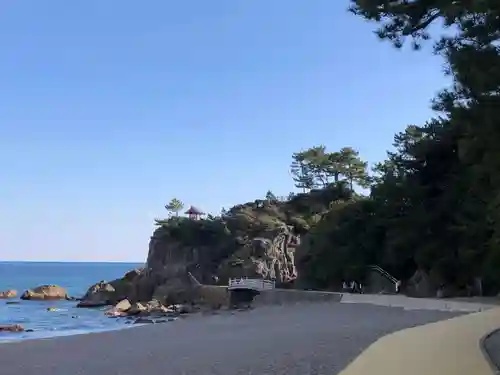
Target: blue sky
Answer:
[[110, 108]]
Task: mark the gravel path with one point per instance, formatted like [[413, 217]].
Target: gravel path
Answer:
[[318, 338]]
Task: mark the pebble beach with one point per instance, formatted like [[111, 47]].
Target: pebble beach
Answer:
[[315, 338]]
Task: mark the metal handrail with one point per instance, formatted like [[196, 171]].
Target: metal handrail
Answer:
[[386, 274]]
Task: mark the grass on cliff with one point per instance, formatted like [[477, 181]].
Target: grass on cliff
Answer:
[[253, 219]]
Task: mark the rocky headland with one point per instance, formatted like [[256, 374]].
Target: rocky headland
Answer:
[[311, 240], [190, 261], [317, 239]]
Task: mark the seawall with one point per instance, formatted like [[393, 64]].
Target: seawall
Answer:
[[291, 296], [222, 296], [409, 303], [287, 296]]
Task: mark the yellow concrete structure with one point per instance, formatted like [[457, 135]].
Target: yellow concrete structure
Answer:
[[450, 347]]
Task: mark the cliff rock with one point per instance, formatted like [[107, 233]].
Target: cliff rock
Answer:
[[109, 293], [420, 285], [256, 239], [270, 257]]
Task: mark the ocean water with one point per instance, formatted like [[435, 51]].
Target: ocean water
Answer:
[[67, 320]]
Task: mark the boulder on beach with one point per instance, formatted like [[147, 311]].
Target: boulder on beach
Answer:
[[137, 308], [120, 309], [156, 307], [123, 305], [99, 294], [10, 293], [46, 292], [110, 293], [125, 308], [12, 328]]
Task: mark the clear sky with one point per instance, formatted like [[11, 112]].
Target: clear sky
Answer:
[[110, 108]]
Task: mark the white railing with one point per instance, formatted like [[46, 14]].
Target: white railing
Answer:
[[387, 275], [254, 284]]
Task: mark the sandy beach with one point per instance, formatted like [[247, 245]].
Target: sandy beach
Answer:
[[318, 338]]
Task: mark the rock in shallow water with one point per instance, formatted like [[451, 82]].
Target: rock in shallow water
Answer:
[[110, 293], [11, 293], [12, 328], [99, 294], [46, 292]]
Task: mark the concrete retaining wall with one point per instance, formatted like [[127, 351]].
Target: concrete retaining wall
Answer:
[[409, 303], [219, 295], [290, 296], [286, 296]]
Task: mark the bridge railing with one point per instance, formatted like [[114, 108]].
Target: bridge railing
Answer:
[[247, 283]]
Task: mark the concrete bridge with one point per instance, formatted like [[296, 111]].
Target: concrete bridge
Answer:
[[245, 283], [379, 279]]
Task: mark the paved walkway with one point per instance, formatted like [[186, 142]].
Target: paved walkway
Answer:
[[492, 347], [451, 347], [408, 303]]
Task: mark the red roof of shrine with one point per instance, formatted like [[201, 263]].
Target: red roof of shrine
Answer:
[[194, 211]]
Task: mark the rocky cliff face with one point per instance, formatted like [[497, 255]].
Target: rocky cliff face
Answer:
[[252, 240], [256, 239], [214, 251], [270, 256]]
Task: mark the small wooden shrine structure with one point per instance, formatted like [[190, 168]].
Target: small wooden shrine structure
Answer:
[[194, 213]]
